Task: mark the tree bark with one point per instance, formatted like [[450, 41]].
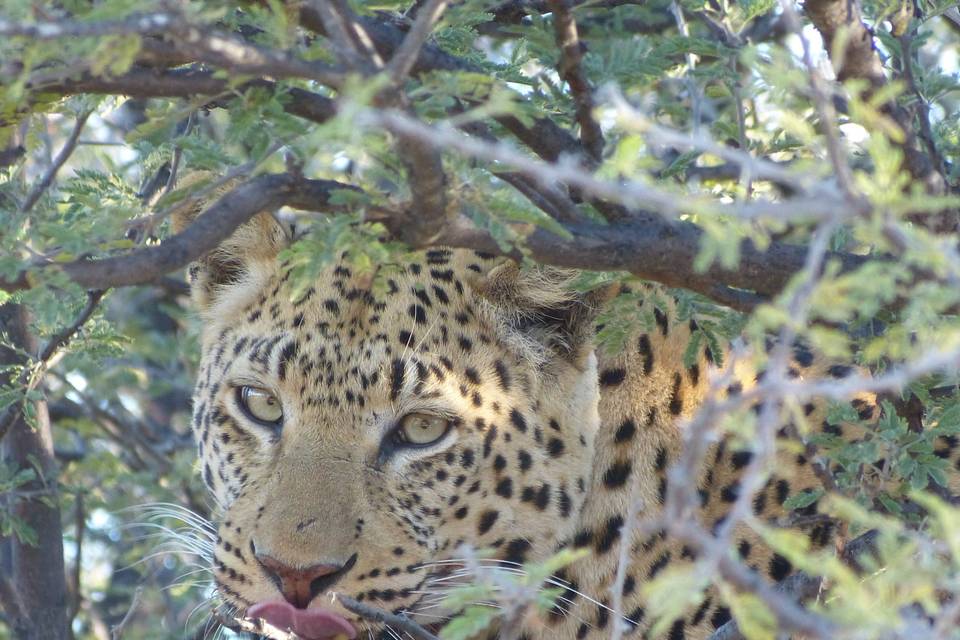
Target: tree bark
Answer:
[[36, 572]]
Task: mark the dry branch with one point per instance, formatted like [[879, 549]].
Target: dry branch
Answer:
[[571, 70]]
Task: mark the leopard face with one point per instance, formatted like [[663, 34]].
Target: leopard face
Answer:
[[356, 437]]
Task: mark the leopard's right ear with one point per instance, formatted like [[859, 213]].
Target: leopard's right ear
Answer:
[[240, 263]]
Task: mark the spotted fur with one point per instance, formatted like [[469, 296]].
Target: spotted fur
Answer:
[[549, 436]]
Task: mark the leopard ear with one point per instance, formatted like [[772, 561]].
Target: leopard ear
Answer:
[[540, 311], [239, 261]]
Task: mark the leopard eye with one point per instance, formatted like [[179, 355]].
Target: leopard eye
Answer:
[[421, 429], [260, 405]]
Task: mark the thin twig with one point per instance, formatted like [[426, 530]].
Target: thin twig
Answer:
[[824, 107], [406, 56], [117, 631], [401, 622], [51, 173]]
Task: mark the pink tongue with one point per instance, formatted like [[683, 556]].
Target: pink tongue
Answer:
[[312, 624]]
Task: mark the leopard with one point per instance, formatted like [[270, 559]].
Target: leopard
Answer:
[[364, 435]]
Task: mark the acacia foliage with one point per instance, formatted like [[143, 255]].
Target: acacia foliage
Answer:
[[789, 173]]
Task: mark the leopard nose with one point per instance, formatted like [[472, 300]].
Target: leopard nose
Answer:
[[301, 585]]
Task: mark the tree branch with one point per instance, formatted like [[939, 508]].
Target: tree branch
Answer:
[[571, 70], [51, 173], [861, 60], [32, 375], [144, 265], [406, 56]]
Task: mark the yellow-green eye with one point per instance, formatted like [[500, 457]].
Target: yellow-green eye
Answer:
[[420, 429], [260, 405]]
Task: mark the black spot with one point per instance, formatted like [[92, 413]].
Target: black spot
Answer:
[[396, 378], [472, 375], [611, 377], [759, 503], [517, 550], [783, 491], [564, 502], [504, 488], [466, 458], [542, 500], [676, 397], [646, 352], [611, 533], [617, 474], [802, 355], [658, 565], [625, 432], [780, 567], [289, 352], [499, 463], [740, 459], [694, 372], [524, 459], [677, 631], [699, 614], [331, 305], [629, 584], [418, 313], [582, 539], [422, 297], [518, 421], [503, 375], [461, 513], [661, 461], [661, 318], [840, 370], [486, 521], [405, 337], [720, 617], [744, 549], [488, 439], [636, 617], [446, 275], [730, 492], [555, 447]]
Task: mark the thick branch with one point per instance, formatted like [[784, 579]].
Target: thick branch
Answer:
[[144, 265], [649, 247], [149, 83], [36, 570]]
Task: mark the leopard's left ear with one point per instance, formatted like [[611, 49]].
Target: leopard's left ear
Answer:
[[234, 268], [540, 309]]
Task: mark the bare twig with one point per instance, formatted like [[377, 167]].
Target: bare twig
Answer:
[[116, 633], [406, 56], [628, 193], [400, 622], [51, 173], [824, 106]]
